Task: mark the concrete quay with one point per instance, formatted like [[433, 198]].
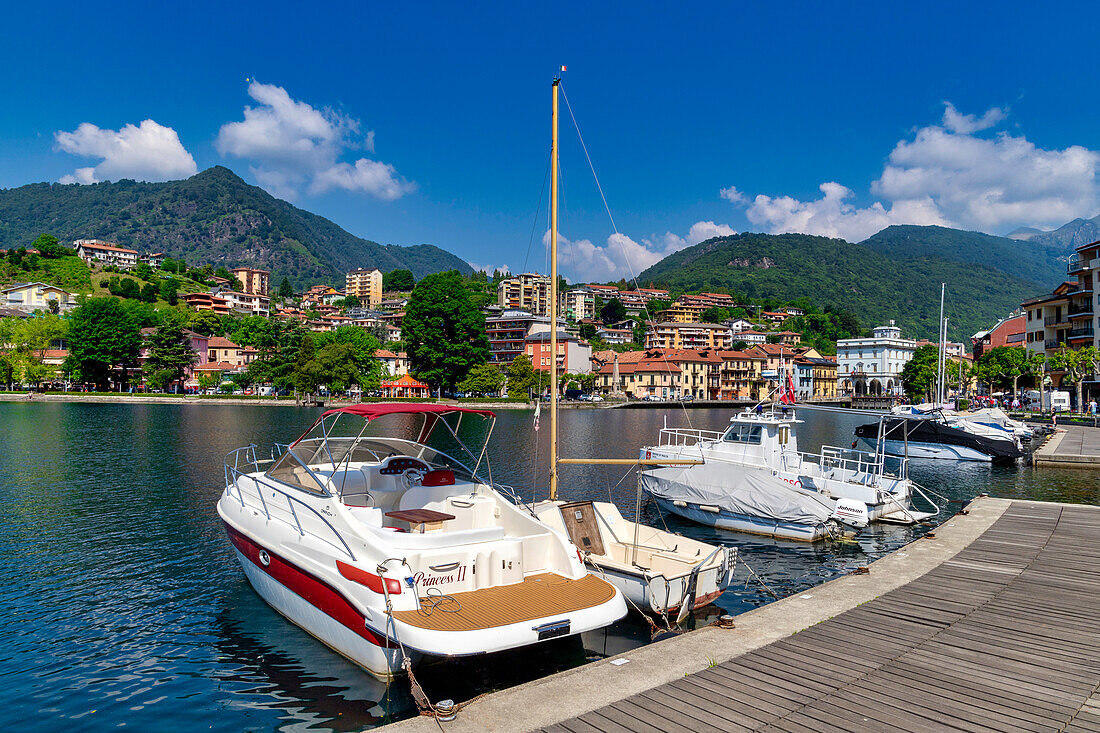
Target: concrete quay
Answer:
[[1072, 446], [988, 624]]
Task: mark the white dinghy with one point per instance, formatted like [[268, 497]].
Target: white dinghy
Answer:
[[389, 550]]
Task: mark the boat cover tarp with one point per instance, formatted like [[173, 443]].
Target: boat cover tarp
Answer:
[[752, 493], [924, 430]]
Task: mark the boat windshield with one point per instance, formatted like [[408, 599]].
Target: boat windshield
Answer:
[[339, 440], [743, 434]]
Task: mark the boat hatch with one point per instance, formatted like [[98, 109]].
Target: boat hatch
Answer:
[[580, 522]]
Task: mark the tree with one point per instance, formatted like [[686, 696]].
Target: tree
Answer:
[[48, 246], [336, 366], [1002, 366], [714, 314], [102, 336], [285, 289], [398, 281], [144, 271], [209, 380], [207, 323], [524, 379], [919, 374], [362, 348], [306, 378], [7, 371], [30, 338], [613, 311], [169, 354], [169, 290], [222, 272], [352, 301], [1077, 364], [587, 331], [255, 331], [149, 293], [276, 362], [444, 333], [483, 379], [740, 345]]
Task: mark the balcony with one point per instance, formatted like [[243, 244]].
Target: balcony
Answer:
[[1055, 321], [1074, 265], [1080, 311], [1078, 334], [1051, 344]]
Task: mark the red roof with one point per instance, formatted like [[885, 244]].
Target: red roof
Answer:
[[380, 409]]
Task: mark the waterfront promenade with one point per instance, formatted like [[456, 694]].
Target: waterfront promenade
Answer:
[[989, 624], [1070, 446]]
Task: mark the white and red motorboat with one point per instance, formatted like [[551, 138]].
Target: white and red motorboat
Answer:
[[389, 548]]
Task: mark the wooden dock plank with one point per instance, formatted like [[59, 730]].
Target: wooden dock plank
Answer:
[[1003, 636]]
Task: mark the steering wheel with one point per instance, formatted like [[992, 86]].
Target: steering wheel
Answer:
[[413, 476]]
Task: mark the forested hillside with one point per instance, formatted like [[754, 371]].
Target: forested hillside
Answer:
[[834, 273], [213, 217]]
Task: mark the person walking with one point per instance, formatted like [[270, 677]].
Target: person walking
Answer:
[[1092, 410]]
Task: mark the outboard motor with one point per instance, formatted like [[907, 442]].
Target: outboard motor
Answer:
[[851, 513]]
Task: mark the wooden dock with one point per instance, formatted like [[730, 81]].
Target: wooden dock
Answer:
[[992, 624], [1003, 636]]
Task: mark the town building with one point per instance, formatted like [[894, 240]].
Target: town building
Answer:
[[36, 296], [815, 377], [872, 366], [153, 259], [574, 356], [365, 284], [245, 303], [740, 375], [207, 302], [676, 335], [222, 350], [1011, 331], [396, 363], [615, 335], [529, 291], [788, 338], [752, 338], [253, 281], [404, 387], [508, 331], [96, 250], [1067, 318], [579, 303], [737, 325], [684, 311]]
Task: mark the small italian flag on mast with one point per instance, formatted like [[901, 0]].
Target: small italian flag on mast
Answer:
[[563, 68]]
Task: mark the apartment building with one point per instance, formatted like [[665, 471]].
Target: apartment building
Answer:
[[675, 335], [1011, 331], [1068, 316], [740, 375], [207, 302], [253, 281], [579, 303], [251, 304], [529, 291], [508, 332], [684, 312], [96, 250], [34, 296], [365, 284], [573, 356]]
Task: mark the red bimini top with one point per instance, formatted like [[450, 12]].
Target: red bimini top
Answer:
[[379, 409]]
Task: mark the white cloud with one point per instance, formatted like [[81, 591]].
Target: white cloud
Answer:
[[621, 255], [948, 174], [145, 152], [292, 144], [956, 121], [490, 268], [732, 195]]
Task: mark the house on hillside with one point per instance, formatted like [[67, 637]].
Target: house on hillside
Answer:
[[96, 250], [36, 296]]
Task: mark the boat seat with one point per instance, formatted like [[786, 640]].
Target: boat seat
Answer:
[[352, 486], [420, 496], [370, 516]]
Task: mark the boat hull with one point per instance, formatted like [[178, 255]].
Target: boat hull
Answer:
[[658, 596], [765, 527], [317, 608], [937, 451]]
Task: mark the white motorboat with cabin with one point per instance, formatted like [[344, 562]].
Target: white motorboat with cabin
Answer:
[[389, 549], [930, 433], [658, 571], [766, 442]]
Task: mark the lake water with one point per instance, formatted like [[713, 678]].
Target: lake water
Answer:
[[123, 605]]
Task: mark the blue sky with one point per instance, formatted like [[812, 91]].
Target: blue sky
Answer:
[[431, 124]]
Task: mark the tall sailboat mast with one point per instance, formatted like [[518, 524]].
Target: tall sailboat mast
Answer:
[[554, 299]]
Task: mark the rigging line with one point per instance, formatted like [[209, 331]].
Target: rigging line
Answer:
[[618, 240], [538, 210]]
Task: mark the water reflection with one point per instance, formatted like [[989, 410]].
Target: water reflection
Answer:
[[125, 606]]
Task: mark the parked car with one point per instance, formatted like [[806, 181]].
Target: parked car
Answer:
[[687, 398]]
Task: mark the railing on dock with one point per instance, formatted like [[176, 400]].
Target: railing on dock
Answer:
[[283, 506]]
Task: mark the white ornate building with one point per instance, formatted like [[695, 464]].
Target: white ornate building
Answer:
[[872, 366]]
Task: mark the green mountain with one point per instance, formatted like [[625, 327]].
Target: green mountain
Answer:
[[1034, 261], [212, 217], [874, 285]]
